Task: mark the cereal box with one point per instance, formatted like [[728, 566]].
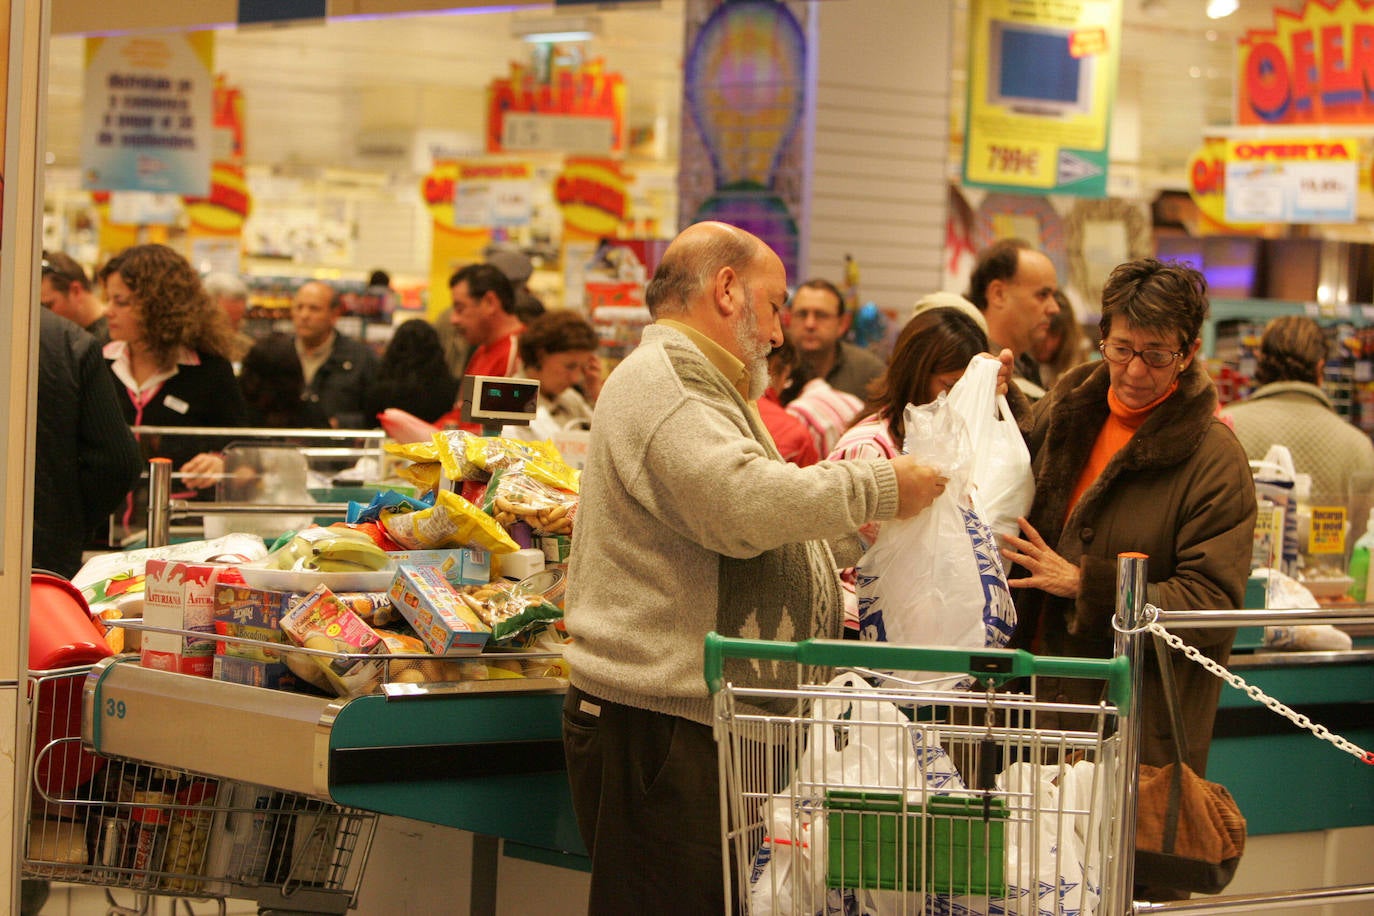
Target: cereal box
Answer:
[[433, 609], [459, 565], [250, 613]]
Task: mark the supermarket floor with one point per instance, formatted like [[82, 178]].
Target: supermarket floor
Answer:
[[410, 861], [415, 869]]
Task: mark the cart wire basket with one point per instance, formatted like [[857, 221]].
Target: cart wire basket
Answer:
[[117, 823], [861, 790]]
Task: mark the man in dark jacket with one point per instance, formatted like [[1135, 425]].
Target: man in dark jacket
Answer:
[[86, 457], [315, 378]]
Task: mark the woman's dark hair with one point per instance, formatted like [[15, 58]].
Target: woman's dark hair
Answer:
[[936, 341], [1165, 297], [176, 311], [558, 331], [413, 375], [1290, 350]]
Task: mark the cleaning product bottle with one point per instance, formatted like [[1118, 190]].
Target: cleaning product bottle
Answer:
[[1359, 562]]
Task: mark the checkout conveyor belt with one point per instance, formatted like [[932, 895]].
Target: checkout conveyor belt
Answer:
[[481, 756]]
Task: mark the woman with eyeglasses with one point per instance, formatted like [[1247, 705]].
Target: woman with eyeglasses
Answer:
[[1128, 455]]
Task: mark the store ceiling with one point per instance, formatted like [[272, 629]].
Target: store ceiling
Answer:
[[310, 90]]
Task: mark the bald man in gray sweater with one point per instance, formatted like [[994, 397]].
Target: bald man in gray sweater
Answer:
[[690, 521]]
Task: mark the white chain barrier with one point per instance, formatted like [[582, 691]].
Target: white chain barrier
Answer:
[[1250, 690]]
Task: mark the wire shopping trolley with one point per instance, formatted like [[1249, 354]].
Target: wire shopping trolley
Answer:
[[861, 791], [157, 831]]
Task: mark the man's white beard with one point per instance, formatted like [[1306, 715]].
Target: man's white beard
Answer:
[[755, 353]]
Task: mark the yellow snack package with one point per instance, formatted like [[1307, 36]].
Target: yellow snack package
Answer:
[[451, 522], [424, 474], [539, 460], [419, 452], [451, 446]]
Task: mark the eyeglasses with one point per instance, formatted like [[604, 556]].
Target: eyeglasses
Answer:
[[813, 315], [1154, 358]]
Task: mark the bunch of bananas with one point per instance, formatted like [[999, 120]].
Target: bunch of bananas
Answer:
[[332, 550]]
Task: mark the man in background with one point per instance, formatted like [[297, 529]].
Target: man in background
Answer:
[[230, 294], [87, 457], [1013, 285], [313, 378], [484, 313], [819, 323], [66, 290], [518, 267]]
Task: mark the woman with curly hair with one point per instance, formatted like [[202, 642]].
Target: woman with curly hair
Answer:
[[169, 351], [557, 348], [413, 375]]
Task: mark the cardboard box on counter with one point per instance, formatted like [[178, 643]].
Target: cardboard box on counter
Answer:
[[459, 565], [434, 611], [254, 672], [180, 596], [250, 613]]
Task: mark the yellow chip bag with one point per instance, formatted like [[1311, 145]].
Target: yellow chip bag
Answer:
[[424, 474], [420, 452], [451, 522], [451, 447], [538, 460]]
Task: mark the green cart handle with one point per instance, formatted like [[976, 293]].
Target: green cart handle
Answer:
[[997, 665]]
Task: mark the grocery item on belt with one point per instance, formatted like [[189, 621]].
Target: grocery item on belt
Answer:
[[321, 621], [445, 624], [451, 522], [512, 495], [540, 460]]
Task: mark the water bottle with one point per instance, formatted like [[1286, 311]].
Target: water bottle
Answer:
[[1359, 562]]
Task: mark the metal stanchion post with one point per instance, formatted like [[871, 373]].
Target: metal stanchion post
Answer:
[[159, 501], [1130, 607]]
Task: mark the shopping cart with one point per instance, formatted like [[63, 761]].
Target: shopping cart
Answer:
[[859, 791], [156, 831]]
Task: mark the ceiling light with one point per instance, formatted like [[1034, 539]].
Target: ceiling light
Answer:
[[556, 29], [1220, 9]]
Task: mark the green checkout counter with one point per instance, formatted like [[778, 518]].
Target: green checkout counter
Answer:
[[1285, 779], [486, 756]]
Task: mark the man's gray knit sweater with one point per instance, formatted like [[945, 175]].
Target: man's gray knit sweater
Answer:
[[689, 521]]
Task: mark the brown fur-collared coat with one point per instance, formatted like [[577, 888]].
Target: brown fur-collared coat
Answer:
[[1180, 492]]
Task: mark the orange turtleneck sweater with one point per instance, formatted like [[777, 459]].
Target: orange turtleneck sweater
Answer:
[[1121, 425]]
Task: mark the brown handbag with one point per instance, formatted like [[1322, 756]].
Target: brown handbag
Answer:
[[1190, 833]]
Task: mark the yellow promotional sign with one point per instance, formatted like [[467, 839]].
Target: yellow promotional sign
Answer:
[[452, 246], [1042, 79]]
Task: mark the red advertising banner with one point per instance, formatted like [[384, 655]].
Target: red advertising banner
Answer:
[[581, 94], [1313, 67]]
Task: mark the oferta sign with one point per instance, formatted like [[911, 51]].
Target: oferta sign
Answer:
[[1292, 180], [1316, 67]]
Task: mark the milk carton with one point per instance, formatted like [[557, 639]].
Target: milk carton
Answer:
[[180, 596]]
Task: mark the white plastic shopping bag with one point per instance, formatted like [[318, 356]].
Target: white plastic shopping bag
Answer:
[[847, 743], [936, 579], [1002, 485]]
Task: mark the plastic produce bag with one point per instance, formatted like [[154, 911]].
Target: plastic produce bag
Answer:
[[1000, 475], [936, 579]]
